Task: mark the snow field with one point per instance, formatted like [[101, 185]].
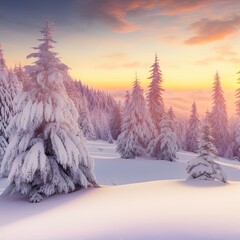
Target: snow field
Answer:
[[142, 205]]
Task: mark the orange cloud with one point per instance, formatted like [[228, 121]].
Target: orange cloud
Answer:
[[213, 30], [115, 13], [176, 6]]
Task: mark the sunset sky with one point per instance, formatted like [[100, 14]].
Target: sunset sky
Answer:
[[106, 41]]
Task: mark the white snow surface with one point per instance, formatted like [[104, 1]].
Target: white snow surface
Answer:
[[140, 199]]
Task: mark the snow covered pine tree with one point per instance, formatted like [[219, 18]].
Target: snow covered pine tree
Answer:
[[204, 167], [124, 126], [115, 121], [137, 127], [192, 134], [219, 119], [47, 153], [173, 127], [6, 103], [15, 87], [19, 71], [154, 96], [236, 141], [164, 146]]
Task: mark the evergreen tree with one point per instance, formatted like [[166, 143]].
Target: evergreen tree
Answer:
[[115, 121], [164, 146], [127, 99], [19, 71], [15, 86], [238, 97], [236, 141], [219, 120], [192, 135], [125, 122], [3, 65], [181, 129], [46, 154], [154, 96], [137, 127], [109, 136], [101, 124], [173, 126], [85, 121], [125, 107], [204, 167], [6, 105]]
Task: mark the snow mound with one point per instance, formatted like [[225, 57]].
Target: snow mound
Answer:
[[154, 210]]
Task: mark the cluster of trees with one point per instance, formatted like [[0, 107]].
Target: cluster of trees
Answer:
[[147, 129], [224, 131], [104, 112]]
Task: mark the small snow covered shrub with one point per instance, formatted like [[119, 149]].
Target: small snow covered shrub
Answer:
[[204, 167]]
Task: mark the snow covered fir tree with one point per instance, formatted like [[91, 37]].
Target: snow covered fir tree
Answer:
[[192, 134], [137, 127], [115, 121], [164, 146], [204, 166], [4, 105], [47, 153], [173, 126], [154, 95], [19, 71], [219, 119], [235, 144], [9, 88]]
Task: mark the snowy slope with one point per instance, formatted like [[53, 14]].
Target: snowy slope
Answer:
[[111, 170], [169, 209]]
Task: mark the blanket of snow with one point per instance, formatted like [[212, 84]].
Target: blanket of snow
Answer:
[[139, 199]]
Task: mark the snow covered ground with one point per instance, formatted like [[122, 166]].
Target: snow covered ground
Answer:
[[144, 199]]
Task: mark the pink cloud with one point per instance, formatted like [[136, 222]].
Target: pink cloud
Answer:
[[115, 13], [207, 30]]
